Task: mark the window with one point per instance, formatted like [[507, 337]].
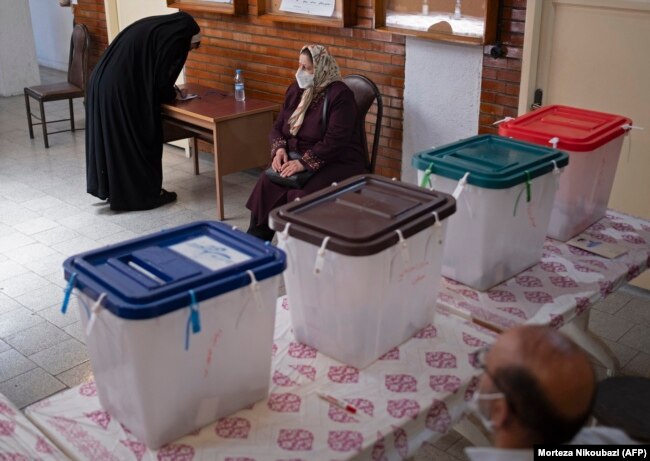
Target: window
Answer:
[[331, 13], [210, 6], [464, 21]]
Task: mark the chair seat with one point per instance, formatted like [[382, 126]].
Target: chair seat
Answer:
[[55, 91], [624, 402]]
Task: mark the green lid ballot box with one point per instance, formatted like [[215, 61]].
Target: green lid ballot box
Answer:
[[505, 191]]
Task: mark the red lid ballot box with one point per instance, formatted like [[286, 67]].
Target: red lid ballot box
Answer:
[[593, 141]]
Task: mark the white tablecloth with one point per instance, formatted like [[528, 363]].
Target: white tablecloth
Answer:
[[414, 392], [20, 440], [564, 284]]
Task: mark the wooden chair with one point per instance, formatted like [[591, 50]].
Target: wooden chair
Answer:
[[365, 94], [74, 87]]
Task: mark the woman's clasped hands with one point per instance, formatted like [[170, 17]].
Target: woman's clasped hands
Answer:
[[284, 166]]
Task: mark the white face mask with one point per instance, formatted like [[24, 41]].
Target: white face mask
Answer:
[[304, 79], [474, 407]]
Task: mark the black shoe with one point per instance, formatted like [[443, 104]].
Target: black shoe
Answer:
[[262, 232], [166, 197]]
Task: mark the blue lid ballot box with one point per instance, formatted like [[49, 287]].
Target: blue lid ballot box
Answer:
[[179, 325]]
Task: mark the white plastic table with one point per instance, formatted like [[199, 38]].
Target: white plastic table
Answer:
[[560, 289], [413, 393]]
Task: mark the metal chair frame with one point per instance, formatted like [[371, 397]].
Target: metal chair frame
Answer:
[[70, 90]]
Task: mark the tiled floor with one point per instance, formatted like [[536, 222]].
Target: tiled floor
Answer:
[[46, 216]]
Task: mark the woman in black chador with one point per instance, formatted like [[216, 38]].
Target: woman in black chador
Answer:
[[124, 140]]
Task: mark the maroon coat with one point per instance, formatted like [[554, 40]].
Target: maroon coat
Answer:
[[335, 156]]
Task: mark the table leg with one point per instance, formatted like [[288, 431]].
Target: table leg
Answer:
[[578, 331], [195, 153], [472, 431], [217, 173]]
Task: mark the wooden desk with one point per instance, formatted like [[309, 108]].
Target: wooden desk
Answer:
[[238, 131]]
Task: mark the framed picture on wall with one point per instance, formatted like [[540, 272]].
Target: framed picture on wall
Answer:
[[332, 13], [462, 21], [210, 6]]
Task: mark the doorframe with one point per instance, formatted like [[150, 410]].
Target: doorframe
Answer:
[[112, 29], [112, 19], [530, 54]]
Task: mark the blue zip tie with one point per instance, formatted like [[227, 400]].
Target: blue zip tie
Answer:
[[68, 292], [194, 314], [194, 319]]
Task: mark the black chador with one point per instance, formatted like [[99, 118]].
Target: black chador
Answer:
[[134, 76]]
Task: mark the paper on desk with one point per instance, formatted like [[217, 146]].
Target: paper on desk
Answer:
[[312, 7], [607, 250], [187, 97]]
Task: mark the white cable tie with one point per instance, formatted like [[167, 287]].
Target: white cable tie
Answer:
[[334, 184], [460, 186], [507, 119], [95, 309], [435, 215], [406, 257], [554, 141], [255, 288], [283, 237], [628, 127], [284, 233], [556, 174], [320, 257], [234, 228], [556, 170], [393, 178]]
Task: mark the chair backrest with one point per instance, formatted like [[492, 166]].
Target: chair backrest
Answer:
[[365, 94], [78, 60]]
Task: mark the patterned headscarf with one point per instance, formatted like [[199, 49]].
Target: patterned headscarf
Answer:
[[326, 71]]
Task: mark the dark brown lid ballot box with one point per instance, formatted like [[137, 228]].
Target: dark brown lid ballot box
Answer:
[[364, 261]]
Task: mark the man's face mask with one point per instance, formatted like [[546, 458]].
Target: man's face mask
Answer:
[[304, 79], [474, 407]]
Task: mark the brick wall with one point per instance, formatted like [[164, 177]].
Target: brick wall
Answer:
[[268, 52], [268, 55], [502, 77]]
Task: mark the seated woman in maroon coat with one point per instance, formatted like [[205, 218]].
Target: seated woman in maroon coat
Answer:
[[333, 154]]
